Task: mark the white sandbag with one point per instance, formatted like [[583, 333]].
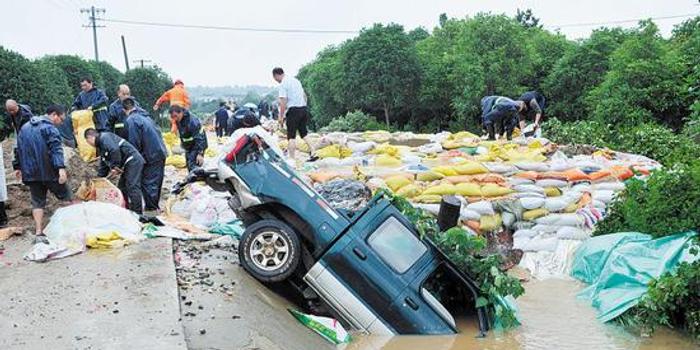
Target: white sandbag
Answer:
[[500, 168], [605, 196], [508, 219], [527, 195], [581, 187], [561, 220], [330, 162], [430, 148], [468, 214], [411, 159], [350, 161], [514, 181], [541, 244], [551, 183], [529, 189], [560, 166], [530, 203], [541, 228], [361, 147], [598, 204], [482, 207], [609, 186], [375, 183], [430, 208], [524, 233], [523, 225], [555, 204], [569, 232], [439, 137], [532, 166], [482, 150], [573, 196], [520, 242], [557, 264]]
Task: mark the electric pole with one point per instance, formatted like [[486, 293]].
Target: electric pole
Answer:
[[126, 58], [142, 61], [92, 11]]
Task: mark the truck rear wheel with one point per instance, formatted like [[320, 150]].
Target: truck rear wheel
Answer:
[[269, 250]]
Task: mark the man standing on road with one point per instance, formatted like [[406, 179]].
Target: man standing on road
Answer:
[[534, 107], [145, 136], [119, 157], [117, 117], [499, 111], [221, 116], [39, 163], [93, 99], [192, 137], [292, 100]]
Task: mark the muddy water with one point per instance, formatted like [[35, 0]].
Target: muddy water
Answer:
[[552, 318]]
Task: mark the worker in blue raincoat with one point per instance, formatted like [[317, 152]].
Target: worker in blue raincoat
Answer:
[[117, 117], [192, 137], [221, 116], [145, 136], [40, 164], [95, 100], [119, 158], [499, 112]]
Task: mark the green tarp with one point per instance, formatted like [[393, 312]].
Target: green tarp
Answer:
[[619, 267]]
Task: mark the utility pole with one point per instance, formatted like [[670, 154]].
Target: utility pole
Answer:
[[126, 58], [92, 11], [142, 61]]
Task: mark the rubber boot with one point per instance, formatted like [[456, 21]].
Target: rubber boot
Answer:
[[492, 132]]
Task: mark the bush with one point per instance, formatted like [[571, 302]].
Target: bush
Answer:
[[666, 203], [353, 122], [584, 132]]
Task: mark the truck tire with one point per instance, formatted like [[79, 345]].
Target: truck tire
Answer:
[[269, 250]]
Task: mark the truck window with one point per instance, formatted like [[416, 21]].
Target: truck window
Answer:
[[396, 245]]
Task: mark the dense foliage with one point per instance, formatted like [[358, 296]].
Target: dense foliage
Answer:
[[468, 253], [353, 122], [147, 84]]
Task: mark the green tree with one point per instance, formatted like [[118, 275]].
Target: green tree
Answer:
[[546, 49], [686, 40], [381, 70], [322, 82], [75, 68], [52, 87], [147, 84], [578, 71], [418, 34], [19, 79], [111, 77], [527, 19]]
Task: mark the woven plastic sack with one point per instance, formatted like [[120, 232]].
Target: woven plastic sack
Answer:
[[445, 170], [409, 191], [396, 182], [429, 176], [82, 120], [551, 183], [470, 168], [489, 223], [534, 214], [532, 203], [428, 198], [482, 207], [574, 220], [468, 189], [387, 161], [493, 190], [442, 190]]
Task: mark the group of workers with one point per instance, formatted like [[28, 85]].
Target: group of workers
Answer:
[[500, 115], [129, 144]]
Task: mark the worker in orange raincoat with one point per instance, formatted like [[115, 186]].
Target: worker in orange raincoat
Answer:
[[177, 96]]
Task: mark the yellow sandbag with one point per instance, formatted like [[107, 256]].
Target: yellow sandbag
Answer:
[[376, 136], [493, 190], [489, 223], [209, 153], [571, 208], [463, 135], [332, 151], [468, 189], [345, 152], [387, 160], [534, 214], [177, 160], [428, 198], [409, 191], [170, 139], [396, 182], [552, 192], [429, 176], [323, 176], [105, 240], [445, 170], [470, 168], [451, 144], [385, 148], [485, 158], [441, 189], [82, 120]]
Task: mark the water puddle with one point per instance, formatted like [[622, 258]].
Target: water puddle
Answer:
[[552, 318]]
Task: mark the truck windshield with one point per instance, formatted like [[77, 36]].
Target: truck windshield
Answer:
[[396, 245]]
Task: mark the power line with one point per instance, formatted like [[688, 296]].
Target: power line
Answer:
[[93, 11], [236, 29], [588, 24]]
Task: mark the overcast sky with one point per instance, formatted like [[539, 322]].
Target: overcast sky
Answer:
[[214, 57]]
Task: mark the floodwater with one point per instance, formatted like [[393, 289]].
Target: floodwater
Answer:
[[552, 318]]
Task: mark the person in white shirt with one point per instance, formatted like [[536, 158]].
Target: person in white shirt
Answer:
[[292, 109]]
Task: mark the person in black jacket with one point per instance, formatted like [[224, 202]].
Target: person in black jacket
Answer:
[[17, 115], [534, 108], [145, 136], [221, 119], [119, 157], [117, 116], [40, 164], [192, 137], [93, 99]]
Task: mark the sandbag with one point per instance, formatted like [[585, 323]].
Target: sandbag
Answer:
[[493, 190], [500, 168], [323, 176], [445, 170], [428, 198], [574, 220], [551, 183], [576, 174], [82, 120], [541, 228], [489, 223], [541, 244], [430, 148], [532, 203], [533, 214], [515, 181], [396, 182], [529, 188], [468, 214], [429, 176], [470, 168], [575, 233], [605, 196], [523, 225], [441, 189], [520, 242], [387, 161], [556, 204], [468, 189], [177, 160], [525, 233], [482, 207], [361, 147], [532, 166], [508, 219], [409, 191], [609, 186], [527, 195], [552, 192], [376, 183]]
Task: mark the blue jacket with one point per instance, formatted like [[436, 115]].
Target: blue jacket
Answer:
[[534, 100], [497, 107], [145, 136], [192, 138], [114, 152], [14, 123], [221, 117], [117, 118], [39, 153], [96, 99]]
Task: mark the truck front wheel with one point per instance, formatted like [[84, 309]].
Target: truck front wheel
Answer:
[[269, 250]]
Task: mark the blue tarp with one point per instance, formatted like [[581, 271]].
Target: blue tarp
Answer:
[[620, 266]]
